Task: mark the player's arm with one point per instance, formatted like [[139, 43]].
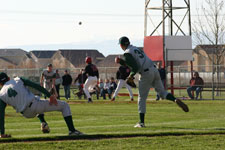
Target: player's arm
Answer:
[[117, 74], [53, 80], [35, 86], [75, 80], [42, 79], [86, 70], [131, 63], [97, 74]]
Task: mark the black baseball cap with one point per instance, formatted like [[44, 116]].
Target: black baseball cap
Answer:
[[49, 65], [3, 77], [124, 40]]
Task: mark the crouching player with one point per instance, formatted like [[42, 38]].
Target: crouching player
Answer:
[[15, 93]]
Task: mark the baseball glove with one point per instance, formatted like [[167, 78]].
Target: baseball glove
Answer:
[[130, 82]]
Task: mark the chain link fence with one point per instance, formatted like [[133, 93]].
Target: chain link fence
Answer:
[[214, 80], [213, 76]]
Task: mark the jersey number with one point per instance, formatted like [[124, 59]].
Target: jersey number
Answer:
[[140, 53], [11, 92]]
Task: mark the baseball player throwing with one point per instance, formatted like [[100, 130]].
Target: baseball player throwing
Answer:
[[149, 77], [15, 93]]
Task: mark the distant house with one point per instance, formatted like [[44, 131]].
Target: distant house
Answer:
[[109, 61], [75, 58], [15, 58], [201, 58], [42, 57]]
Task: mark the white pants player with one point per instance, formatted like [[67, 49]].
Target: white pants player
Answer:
[[122, 83], [40, 106], [89, 85], [148, 80]]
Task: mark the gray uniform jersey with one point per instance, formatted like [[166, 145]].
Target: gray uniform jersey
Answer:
[[16, 94], [140, 57], [48, 76]]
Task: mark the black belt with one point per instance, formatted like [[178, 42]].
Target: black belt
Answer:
[[28, 106], [145, 70]]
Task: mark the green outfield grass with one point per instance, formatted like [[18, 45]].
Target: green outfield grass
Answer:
[[109, 125]]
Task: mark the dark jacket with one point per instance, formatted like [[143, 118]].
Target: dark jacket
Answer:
[[91, 70], [67, 80], [113, 85], [123, 72], [197, 82]]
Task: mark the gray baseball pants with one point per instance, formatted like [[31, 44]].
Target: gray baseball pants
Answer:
[[149, 79], [38, 106]]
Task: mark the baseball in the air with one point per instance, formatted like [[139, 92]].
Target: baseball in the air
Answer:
[[80, 23]]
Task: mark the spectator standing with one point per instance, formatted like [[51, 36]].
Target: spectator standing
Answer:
[[58, 81], [121, 76], [48, 78], [162, 73], [67, 80], [196, 85]]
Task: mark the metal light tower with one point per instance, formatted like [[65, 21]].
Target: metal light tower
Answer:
[[167, 31], [176, 12]]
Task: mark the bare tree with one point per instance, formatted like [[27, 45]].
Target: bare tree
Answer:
[[209, 28]]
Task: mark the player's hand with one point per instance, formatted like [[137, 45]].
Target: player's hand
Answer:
[[5, 136], [117, 60], [53, 100]]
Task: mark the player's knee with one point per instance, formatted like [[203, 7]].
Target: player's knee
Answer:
[[65, 104], [66, 110]]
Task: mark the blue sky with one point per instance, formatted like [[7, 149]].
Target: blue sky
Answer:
[[54, 24]]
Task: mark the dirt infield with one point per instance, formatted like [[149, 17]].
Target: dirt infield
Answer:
[[126, 94]]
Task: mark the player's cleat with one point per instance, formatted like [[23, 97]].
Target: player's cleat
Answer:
[[140, 125], [5, 136], [182, 105], [74, 133], [44, 127], [90, 100], [113, 99], [132, 99]]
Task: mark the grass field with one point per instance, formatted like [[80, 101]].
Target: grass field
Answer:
[[109, 126]]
